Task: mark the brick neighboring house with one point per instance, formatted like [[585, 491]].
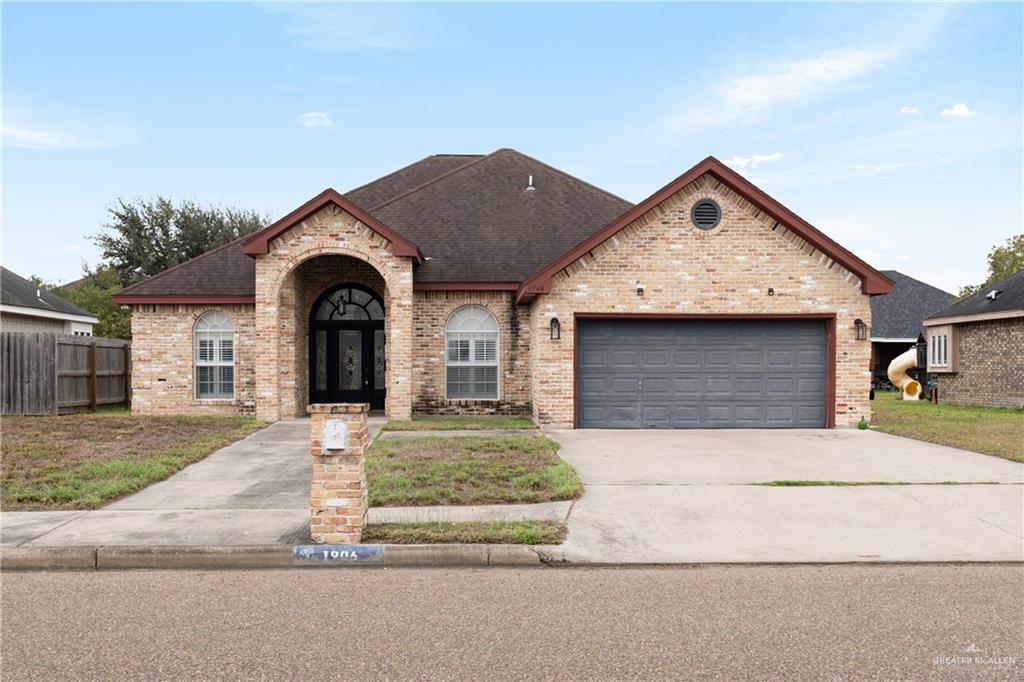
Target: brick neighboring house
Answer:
[[498, 284], [27, 307], [898, 318], [976, 346]]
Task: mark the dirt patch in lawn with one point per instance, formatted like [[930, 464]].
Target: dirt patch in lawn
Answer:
[[468, 423], [83, 461], [989, 430], [471, 532], [468, 470]]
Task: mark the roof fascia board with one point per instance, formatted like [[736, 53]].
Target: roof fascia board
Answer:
[[976, 317], [259, 243], [872, 281], [48, 314], [200, 299], [465, 286]]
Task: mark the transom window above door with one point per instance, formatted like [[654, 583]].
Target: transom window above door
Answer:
[[350, 304]]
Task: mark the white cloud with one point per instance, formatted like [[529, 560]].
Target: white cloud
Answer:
[[959, 110], [316, 119], [745, 162], [26, 138], [909, 110], [902, 258]]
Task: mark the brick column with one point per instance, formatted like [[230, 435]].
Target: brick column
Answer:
[[338, 493]]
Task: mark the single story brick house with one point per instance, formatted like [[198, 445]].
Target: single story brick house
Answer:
[[897, 319], [976, 346], [497, 284]]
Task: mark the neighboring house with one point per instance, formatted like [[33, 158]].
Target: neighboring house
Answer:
[[498, 284], [898, 318], [976, 346], [27, 307]]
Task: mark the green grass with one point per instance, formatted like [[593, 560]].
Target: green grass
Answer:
[[469, 423], [86, 461], [464, 470], [472, 533], [989, 430]]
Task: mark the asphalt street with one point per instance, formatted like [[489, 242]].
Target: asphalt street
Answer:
[[767, 622]]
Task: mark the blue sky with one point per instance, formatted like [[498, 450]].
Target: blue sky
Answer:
[[896, 129]]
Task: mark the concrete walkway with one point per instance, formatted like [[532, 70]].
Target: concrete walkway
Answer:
[[688, 496]]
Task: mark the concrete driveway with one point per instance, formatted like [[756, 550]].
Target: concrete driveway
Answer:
[[694, 496]]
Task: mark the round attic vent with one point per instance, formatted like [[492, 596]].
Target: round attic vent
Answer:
[[706, 214]]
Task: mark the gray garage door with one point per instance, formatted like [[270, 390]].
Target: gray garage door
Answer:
[[701, 373]]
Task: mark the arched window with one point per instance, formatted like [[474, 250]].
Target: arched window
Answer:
[[471, 343], [214, 348]]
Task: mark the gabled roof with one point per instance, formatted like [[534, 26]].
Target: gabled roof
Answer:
[[1008, 302], [260, 242], [18, 292], [900, 314], [872, 281]]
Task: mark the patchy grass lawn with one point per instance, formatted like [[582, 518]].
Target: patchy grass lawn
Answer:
[[473, 423], [462, 470], [471, 533], [989, 430], [83, 461]]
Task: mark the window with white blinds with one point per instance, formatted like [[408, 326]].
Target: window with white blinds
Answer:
[[214, 349], [471, 355]]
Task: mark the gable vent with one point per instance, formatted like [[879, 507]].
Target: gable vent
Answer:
[[706, 214]]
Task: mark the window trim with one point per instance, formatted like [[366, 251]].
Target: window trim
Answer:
[[473, 363], [941, 349], [196, 364]]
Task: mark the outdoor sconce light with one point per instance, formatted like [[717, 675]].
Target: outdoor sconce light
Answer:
[[862, 329], [639, 289], [556, 328]]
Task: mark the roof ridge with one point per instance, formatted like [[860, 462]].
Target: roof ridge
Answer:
[[432, 181], [215, 249], [399, 170], [568, 175]]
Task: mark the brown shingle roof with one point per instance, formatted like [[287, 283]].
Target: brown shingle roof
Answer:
[[471, 215]]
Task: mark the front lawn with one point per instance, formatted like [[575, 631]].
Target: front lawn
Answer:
[[989, 430], [469, 533], [430, 470], [83, 461], [469, 423]]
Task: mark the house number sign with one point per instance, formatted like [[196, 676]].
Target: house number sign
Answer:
[[337, 554]]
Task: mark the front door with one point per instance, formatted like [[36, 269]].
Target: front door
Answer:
[[347, 347]]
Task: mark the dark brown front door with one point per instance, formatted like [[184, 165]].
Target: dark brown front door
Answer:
[[347, 347]]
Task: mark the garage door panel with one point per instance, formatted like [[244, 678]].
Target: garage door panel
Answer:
[[701, 373]]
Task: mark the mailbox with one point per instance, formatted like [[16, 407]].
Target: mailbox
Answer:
[[335, 435]]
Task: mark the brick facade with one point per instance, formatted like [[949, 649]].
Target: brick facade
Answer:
[[163, 372], [431, 310], [727, 270], [989, 364], [685, 270]]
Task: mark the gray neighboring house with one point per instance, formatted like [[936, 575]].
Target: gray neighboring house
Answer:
[[26, 307], [898, 318], [976, 346]]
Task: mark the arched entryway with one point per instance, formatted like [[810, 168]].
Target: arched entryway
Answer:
[[347, 359]]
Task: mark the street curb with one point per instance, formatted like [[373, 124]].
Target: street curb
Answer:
[[358, 556], [261, 556]]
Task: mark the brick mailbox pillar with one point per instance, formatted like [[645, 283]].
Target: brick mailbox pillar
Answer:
[[338, 494]]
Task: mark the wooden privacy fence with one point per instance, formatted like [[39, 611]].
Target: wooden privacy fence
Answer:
[[58, 374]]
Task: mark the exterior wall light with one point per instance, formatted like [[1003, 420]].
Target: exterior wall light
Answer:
[[639, 289], [862, 329], [556, 328]]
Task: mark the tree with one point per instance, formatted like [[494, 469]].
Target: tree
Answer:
[[95, 293], [1003, 260], [144, 237]]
